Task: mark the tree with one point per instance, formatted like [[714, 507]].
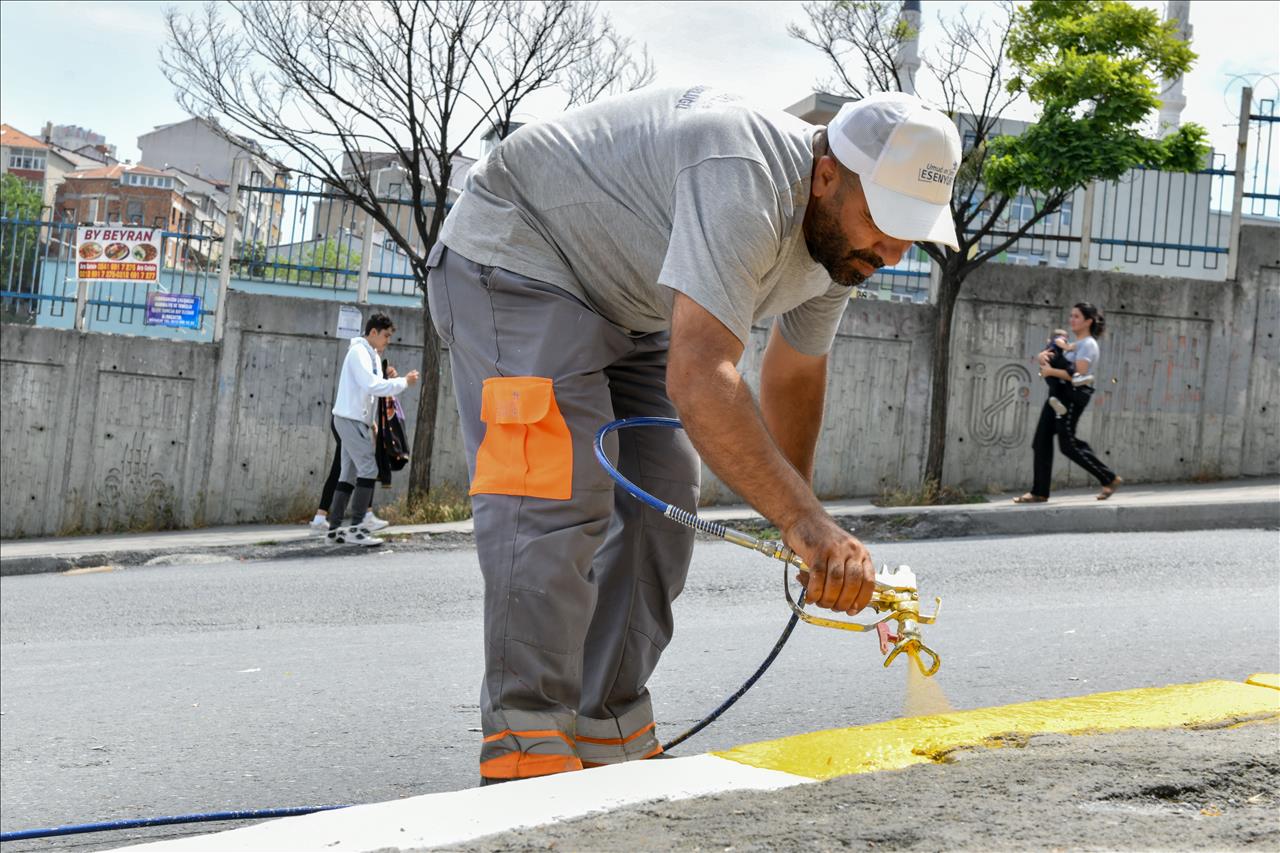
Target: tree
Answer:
[[1091, 67], [19, 244], [251, 262], [334, 82], [333, 261]]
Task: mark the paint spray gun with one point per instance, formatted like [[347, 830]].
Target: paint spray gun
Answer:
[[896, 597]]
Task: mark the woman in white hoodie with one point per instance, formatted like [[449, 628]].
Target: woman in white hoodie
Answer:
[[354, 409]]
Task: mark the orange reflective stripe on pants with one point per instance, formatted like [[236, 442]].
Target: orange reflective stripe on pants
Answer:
[[526, 765], [534, 734]]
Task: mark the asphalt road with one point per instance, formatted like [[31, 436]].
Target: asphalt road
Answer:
[[167, 690]]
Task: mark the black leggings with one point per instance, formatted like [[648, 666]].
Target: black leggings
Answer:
[[335, 471], [1075, 449]]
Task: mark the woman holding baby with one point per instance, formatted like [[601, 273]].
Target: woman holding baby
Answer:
[[1081, 363]]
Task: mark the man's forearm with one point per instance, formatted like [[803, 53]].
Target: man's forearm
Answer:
[[725, 425], [792, 407]]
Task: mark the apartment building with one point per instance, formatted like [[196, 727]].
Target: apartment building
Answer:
[[133, 195], [204, 149], [40, 166]]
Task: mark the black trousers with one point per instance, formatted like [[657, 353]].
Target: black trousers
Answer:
[[1075, 449], [335, 470]]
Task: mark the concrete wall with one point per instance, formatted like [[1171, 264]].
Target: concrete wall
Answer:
[[111, 432], [1186, 386], [105, 432]]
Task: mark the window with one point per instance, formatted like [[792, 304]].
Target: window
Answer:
[[393, 191], [133, 212], [1065, 214], [26, 159], [969, 140]]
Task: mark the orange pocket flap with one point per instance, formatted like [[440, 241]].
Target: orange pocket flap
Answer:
[[515, 399], [527, 449]]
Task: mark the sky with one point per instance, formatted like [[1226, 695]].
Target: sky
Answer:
[[95, 64]]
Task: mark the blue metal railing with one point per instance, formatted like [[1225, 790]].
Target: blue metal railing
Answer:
[[310, 236], [1263, 187]]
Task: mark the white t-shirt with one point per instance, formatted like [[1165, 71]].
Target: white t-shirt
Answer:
[[1087, 349], [626, 201]]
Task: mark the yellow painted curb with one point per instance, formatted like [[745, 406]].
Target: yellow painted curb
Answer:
[[895, 744], [1264, 679]]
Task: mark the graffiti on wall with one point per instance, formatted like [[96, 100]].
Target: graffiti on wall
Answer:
[[999, 405]]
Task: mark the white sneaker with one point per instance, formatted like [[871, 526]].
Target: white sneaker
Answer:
[[319, 524], [1058, 406], [371, 522], [336, 537], [356, 535]]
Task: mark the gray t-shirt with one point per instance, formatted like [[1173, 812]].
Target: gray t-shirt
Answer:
[[628, 199], [1087, 349]]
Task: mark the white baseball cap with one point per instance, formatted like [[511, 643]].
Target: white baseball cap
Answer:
[[906, 153]]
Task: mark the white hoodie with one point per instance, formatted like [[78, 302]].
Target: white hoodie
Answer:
[[361, 380]]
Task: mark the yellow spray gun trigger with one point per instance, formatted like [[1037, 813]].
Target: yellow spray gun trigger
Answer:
[[896, 597]]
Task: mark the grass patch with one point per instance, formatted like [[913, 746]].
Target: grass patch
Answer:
[[442, 503], [930, 494]]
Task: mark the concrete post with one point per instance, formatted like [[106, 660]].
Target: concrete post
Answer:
[[1086, 225], [228, 249], [82, 303], [366, 255], [1237, 197]]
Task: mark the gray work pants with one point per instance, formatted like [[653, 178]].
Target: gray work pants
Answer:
[[578, 591]]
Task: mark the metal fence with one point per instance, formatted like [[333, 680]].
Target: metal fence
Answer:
[[40, 286], [1261, 193], [308, 239], [1148, 222], [311, 236]]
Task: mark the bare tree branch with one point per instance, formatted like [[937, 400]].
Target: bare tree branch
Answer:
[[346, 88]]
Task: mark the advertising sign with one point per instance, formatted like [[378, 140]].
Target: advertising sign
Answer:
[[117, 253], [177, 310]]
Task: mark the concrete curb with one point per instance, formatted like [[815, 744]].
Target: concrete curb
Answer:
[[456, 817], [871, 524]]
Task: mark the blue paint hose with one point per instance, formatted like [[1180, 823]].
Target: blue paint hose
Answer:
[[711, 528], [77, 828]]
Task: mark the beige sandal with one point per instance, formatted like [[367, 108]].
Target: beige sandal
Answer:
[[1110, 489], [1029, 498]]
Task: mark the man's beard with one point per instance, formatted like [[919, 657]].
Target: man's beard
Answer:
[[828, 246]]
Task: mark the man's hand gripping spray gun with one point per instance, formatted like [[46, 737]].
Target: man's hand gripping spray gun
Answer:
[[896, 597]]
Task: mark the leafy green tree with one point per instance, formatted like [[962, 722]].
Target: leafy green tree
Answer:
[[1091, 67], [19, 244], [336, 262], [251, 260]]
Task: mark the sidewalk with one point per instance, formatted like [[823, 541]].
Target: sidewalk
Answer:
[[1246, 503]]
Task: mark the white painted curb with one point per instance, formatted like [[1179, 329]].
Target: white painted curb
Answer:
[[454, 817]]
